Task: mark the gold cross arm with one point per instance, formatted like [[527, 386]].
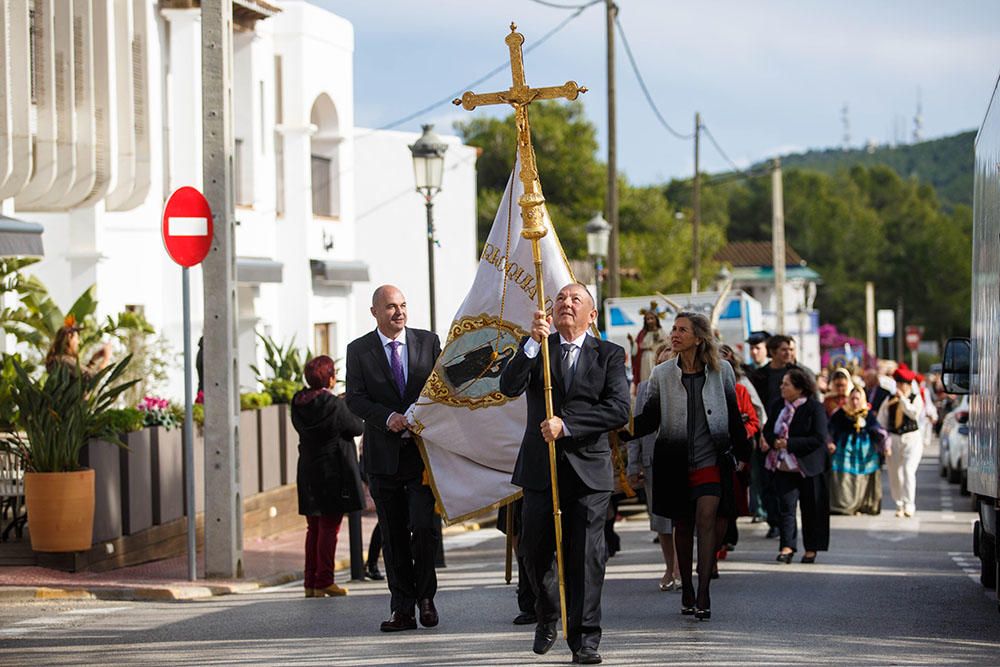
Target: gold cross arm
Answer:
[[519, 94]]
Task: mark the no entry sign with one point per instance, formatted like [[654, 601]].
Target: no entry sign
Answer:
[[187, 226]]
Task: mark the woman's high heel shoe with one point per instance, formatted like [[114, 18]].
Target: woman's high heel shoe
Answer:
[[687, 602], [785, 558]]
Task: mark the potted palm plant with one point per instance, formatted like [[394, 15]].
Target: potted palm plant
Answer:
[[56, 416]]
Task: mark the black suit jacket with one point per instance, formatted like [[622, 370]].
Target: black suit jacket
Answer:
[[372, 393], [597, 402], [807, 435]]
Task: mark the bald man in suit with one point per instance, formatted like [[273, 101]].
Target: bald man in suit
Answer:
[[386, 370]]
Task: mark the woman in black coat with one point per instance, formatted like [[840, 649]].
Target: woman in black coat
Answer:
[[796, 453], [328, 477]]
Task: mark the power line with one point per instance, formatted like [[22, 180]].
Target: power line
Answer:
[[489, 75], [642, 85], [708, 133], [556, 5]]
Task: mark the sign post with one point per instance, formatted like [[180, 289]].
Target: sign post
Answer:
[[886, 324], [187, 236], [913, 336]]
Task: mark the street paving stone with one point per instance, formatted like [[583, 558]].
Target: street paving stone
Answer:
[[890, 591]]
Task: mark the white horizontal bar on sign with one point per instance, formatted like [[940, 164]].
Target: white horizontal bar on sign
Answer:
[[187, 226]]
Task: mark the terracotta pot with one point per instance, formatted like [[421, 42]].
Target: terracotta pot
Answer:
[[60, 509]]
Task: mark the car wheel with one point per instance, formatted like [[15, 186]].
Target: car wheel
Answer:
[[988, 560]]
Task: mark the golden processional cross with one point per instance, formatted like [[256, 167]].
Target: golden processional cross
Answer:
[[519, 96]]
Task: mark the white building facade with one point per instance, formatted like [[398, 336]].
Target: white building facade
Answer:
[[102, 129]]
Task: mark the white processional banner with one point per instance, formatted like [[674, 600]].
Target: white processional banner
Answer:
[[469, 432]]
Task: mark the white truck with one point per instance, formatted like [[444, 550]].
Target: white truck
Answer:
[[972, 366]]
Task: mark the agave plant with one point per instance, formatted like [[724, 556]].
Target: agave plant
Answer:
[[58, 414]]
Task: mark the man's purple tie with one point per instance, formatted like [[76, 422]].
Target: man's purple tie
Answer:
[[397, 367]]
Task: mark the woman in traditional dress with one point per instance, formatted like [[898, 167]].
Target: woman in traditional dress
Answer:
[[840, 387], [856, 464]]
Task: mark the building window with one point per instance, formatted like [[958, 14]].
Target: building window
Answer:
[[263, 118], [241, 189], [321, 195], [279, 142], [324, 338]]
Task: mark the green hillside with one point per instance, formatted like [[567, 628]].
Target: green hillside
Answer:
[[946, 164]]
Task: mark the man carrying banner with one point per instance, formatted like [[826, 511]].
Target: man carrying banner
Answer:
[[386, 369], [590, 397]]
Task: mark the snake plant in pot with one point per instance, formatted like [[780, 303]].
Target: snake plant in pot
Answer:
[[56, 416]]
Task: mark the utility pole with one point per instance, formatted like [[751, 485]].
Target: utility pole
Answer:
[[696, 202], [614, 274], [223, 503], [778, 245]]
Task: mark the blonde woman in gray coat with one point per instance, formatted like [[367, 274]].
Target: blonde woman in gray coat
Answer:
[[692, 407]]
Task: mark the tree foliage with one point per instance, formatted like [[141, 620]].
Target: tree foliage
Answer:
[[573, 180], [853, 218]]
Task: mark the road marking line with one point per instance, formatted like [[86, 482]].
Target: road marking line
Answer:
[[34, 625]]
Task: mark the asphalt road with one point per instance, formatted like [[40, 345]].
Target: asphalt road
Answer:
[[890, 591]]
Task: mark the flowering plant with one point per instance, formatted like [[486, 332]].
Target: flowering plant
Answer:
[[159, 412]]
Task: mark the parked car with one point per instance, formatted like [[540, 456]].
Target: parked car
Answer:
[[953, 455]]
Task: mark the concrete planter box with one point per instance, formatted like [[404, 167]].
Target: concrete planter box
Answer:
[[249, 454], [289, 445], [105, 460], [135, 467], [269, 448], [167, 474]]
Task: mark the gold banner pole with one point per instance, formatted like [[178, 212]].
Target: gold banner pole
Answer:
[[509, 561], [519, 96]]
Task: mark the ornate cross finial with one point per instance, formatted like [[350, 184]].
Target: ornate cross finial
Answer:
[[519, 96]]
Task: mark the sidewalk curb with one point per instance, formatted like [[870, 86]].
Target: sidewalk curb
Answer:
[[181, 592]]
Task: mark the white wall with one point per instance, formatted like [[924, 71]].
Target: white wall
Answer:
[[381, 220], [391, 226]]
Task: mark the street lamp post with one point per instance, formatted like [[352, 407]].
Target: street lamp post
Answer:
[[428, 170], [598, 235]]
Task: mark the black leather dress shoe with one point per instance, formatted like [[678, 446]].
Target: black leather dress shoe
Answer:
[[372, 572], [785, 558], [428, 613], [587, 656], [545, 637], [773, 532], [399, 621], [525, 618]]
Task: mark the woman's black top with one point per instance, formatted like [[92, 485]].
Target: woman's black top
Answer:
[[807, 435], [328, 477]]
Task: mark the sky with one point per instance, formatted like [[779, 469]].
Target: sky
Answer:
[[769, 77]]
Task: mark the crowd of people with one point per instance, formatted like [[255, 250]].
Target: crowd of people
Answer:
[[817, 446], [711, 439]]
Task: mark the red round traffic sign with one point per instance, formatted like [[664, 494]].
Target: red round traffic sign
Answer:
[[187, 226]]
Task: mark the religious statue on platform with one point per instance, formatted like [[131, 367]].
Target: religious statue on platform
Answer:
[[643, 347]]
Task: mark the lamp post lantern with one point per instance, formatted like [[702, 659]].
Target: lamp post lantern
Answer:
[[598, 235], [428, 170]]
